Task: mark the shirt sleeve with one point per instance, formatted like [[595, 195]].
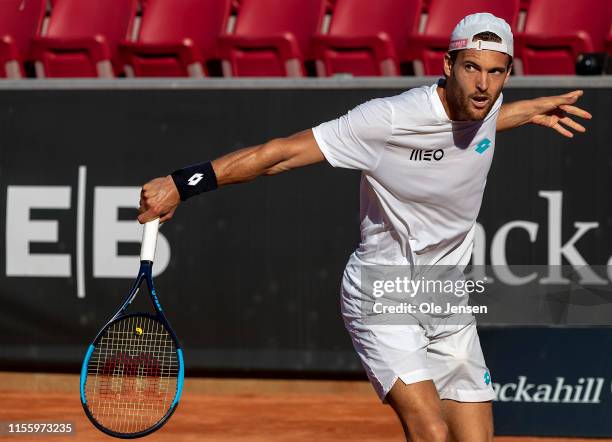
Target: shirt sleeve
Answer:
[[357, 140]]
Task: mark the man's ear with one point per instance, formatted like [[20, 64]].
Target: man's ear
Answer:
[[448, 64], [508, 74]]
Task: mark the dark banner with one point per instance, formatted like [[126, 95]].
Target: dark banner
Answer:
[[550, 382], [249, 274]]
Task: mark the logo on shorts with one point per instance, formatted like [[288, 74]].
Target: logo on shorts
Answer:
[[487, 377], [426, 155], [483, 145], [195, 179]]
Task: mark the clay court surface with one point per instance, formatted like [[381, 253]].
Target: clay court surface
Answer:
[[223, 410]]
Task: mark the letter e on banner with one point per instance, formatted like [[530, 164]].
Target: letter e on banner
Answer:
[[21, 231]]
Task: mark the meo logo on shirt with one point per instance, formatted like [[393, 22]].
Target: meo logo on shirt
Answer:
[[426, 155]]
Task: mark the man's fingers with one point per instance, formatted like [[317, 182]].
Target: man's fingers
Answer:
[[167, 216], [569, 98], [577, 92], [571, 123], [563, 131], [576, 111], [142, 204], [573, 95], [158, 198], [565, 99], [147, 216]]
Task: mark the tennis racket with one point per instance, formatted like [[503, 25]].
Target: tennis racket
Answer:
[[132, 374]]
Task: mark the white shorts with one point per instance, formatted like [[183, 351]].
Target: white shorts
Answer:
[[440, 350]]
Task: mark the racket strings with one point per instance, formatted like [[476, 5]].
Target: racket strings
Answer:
[[132, 375]]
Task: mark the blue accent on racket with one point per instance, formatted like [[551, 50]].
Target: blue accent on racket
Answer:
[[90, 350], [179, 388]]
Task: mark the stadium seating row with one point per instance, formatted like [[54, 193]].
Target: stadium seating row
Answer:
[[249, 38]]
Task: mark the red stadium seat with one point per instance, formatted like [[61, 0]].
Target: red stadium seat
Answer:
[[365, 38], [19, 22], [271, 38], [427, 50], [82, 38], [554, 36], [176, 38]]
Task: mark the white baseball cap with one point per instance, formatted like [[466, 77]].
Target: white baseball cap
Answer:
[[473, 24]]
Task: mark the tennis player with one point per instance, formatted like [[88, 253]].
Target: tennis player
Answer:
[[424, 156]]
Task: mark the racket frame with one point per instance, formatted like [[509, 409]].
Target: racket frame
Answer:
[[144, 274]]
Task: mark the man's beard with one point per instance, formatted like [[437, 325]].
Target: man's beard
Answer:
[[462, 104]]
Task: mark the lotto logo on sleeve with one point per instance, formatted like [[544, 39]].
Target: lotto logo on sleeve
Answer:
[[483, 145], [195, 179]]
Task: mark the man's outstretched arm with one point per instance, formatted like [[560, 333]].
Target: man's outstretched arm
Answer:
[[553, 112], [160, 196]]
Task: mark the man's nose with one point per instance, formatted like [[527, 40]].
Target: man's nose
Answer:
[[482, 83]]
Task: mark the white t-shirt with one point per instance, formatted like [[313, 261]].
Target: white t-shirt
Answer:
[[423, 176]]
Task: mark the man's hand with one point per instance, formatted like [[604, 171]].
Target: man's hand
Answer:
[[553, 112], [158, 199]]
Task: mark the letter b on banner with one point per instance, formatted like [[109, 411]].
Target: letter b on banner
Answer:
[[109, 231]]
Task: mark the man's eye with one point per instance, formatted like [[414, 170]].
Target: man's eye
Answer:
[[469, 67]]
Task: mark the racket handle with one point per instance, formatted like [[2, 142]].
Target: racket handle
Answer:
[[149, 240]]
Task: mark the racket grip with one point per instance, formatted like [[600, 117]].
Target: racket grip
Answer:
[[149, 240]]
